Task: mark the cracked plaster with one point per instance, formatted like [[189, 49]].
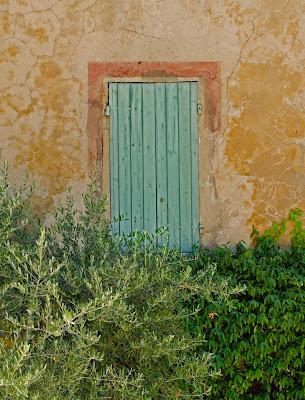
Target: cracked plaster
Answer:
[[256, 161]]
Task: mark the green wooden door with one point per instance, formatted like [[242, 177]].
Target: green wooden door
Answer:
[[154, 159]]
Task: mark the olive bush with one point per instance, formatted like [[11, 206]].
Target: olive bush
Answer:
[[84, 315]]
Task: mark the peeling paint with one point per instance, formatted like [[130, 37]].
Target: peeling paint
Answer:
[[263, 141]]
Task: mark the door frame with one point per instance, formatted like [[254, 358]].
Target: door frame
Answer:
[[206, 74]]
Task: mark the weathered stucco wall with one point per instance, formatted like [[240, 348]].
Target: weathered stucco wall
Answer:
[[256, 162]]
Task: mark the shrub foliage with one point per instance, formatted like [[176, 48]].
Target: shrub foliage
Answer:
[[82, 319], [87, 316], [259, 340]]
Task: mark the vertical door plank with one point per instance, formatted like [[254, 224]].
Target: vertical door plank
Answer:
[[114, 158], [161, 156], [136, 156], [185, 166], [173, 164], [149, 156], [124, 157], [195, 161]]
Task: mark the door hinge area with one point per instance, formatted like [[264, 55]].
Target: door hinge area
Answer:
[[107, 110], [199, 108]]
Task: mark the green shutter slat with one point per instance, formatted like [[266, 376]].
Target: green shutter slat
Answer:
[[173, 164], [185, 165], [161, 156], [195, 162], [124, 157], [136, 154], [149, 155], [114, 159]]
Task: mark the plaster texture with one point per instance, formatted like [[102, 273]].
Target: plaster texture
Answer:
[[255, 161]]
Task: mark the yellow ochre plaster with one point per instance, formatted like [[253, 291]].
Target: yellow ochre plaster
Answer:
[[255, 164]]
